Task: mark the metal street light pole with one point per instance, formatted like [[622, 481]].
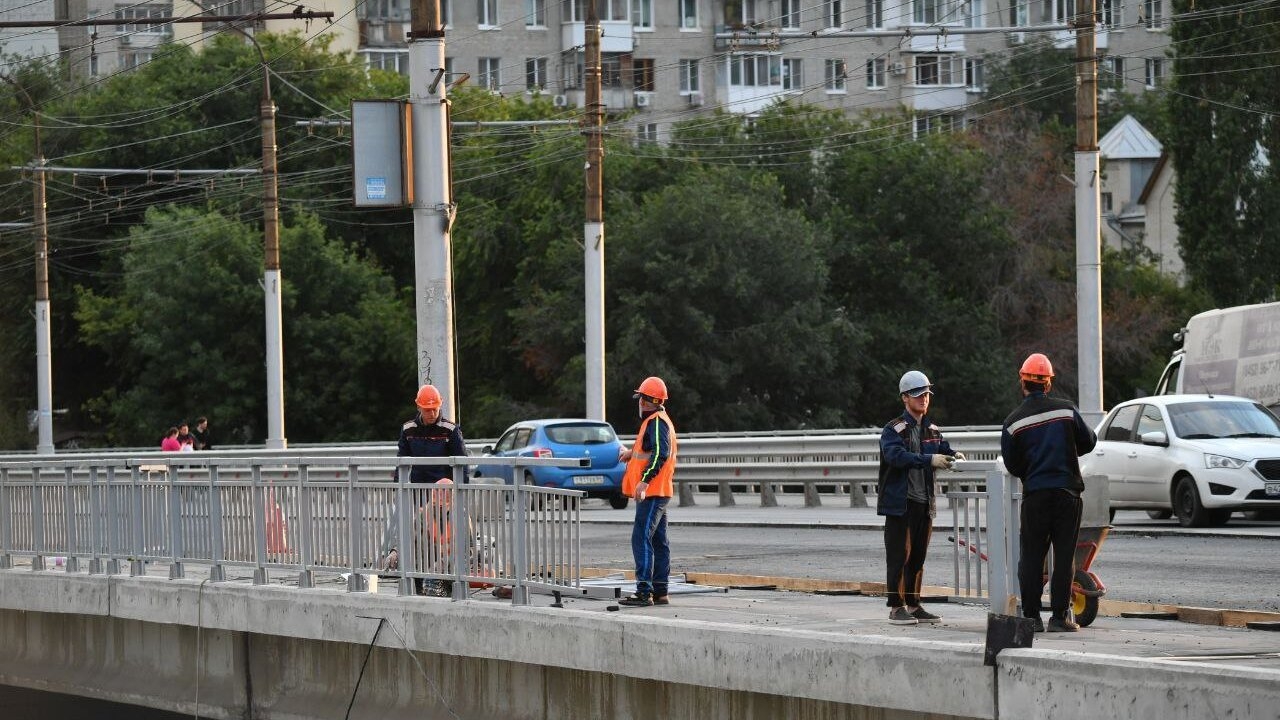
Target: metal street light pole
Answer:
[[593, 229]]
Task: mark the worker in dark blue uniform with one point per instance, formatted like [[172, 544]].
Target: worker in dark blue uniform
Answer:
[[426, 435], [1041, 443]]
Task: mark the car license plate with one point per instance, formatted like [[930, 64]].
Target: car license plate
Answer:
[[1273, 489], [593, 480]]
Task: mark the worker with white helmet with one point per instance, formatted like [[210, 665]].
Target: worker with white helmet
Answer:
[[911, 449]]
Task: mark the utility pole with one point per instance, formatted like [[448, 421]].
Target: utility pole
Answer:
[[271, 280], [1088, 237], [593, 229], [44, 341], [432, 204]]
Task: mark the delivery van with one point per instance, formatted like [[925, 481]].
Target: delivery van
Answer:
[[1229, 351]]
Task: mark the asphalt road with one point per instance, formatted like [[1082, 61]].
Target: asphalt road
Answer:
[[1161, 567]]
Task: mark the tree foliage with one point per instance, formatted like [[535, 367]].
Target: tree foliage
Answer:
[[1225, 146]]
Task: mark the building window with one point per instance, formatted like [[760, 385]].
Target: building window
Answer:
[[926, 124], [938, 70], [792, 74], [1105, 200], [642, 74], [1155, 14], [1063, 10], [572, 69], [789, 17], [535, 13], [1111, 72], [535, 74], [642, 14], [834, 12], [689, 14], [391, 60], [835, 75], [487, 12], [611, 70], [928, 12], [490, 76], [973, 74], [876, 73], [1155, 72], [134, 12], [1112, 14], [739, 13], [875, 14], [753, 70], [135, 58], [647, 134], [689, 77], [974, 13], [1019, 13]]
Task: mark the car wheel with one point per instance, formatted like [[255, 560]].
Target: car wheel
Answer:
[[1084, 605], [618, 502], [1159, 514], [1187, 506]]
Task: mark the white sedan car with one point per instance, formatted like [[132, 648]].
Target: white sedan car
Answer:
[[1199, 457]]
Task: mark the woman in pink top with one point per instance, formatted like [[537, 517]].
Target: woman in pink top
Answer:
[[170, 442]]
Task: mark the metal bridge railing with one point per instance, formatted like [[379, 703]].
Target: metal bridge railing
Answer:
[[297, 514], [984, 536]]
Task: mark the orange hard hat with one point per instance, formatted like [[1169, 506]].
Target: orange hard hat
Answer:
[[652, 388], [1036, 368], [428, 398]]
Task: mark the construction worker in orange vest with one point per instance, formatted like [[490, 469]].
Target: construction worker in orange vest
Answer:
[[651, 465]]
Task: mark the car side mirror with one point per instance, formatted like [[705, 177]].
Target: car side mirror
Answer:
[[1155, 437], [486, 450]]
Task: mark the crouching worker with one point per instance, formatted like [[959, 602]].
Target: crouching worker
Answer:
[[433, 539]]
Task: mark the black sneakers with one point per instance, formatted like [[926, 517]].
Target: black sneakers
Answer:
[[1037, 625], [900, 616], [924, 616], [1062, 624], [636, 601]]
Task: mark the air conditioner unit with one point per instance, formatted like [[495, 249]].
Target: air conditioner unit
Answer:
[[560, 101], [695, 99], [126, 39], [898, 68], [643, 100]]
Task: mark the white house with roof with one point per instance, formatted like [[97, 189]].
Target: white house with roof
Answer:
[[1137, 194]]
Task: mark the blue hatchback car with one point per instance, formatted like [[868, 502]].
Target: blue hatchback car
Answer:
[[562, 438]]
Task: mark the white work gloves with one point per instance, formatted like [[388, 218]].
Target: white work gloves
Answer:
[[942, 462], [959, 456]]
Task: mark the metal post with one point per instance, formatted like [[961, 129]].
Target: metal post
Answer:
[[1088, 237], [258, 512], [404, 529], [174, 525], [432, 205], [356, 581], [216, 571], [271, 282], [70, 564], [305, 577], [114, 542], [593, 229], [6, 543], [137, 566], [37, 521], [1001, 581], [461, 538], [520, 593]]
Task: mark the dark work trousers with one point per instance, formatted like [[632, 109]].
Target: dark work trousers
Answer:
[[1049, 518], [906, 540], [649, 547]]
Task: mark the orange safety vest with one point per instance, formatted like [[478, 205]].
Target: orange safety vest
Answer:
[[660, 485]]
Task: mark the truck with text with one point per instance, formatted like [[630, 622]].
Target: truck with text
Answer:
[[1228, 351]]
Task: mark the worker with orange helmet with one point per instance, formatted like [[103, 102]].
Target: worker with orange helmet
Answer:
[[426, 435], [911, 449], [1041, 443], [651, 466]]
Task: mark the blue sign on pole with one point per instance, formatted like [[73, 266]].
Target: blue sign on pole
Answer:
[[375, 188]]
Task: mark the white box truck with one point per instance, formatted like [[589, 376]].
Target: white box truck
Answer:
[[1231, 351]]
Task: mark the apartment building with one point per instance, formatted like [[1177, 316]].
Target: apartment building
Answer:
[[26, 44], [122, 40], [668, 60]]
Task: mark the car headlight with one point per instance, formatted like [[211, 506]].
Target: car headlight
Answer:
[[1222, 461]]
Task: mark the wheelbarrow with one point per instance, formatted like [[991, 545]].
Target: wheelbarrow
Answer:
[[1086, 586]]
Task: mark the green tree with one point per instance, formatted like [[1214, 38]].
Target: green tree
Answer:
[[915, 260], [1224, 148], [183, 329]]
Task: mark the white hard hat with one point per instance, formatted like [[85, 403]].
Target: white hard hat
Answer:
[[915, 384]]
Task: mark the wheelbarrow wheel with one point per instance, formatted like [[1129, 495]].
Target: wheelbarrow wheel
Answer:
[[1084, 606]]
